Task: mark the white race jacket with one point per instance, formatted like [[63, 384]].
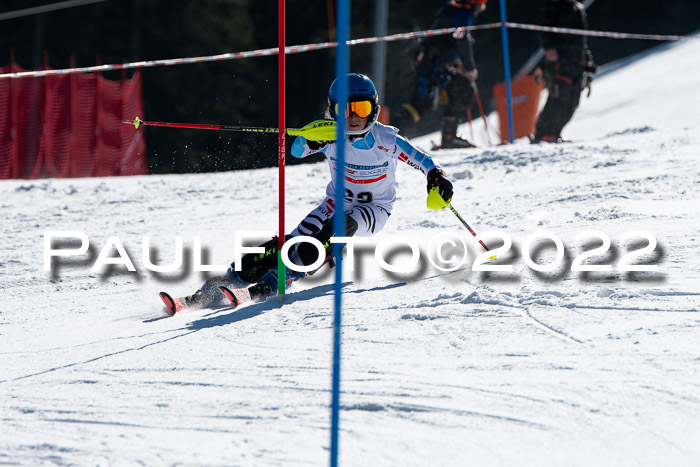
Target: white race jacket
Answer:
[[370, 164]]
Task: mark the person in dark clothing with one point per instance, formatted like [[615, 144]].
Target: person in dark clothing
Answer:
[[567, 62], [445, 68]]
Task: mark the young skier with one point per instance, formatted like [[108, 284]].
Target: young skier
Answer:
[[372, 153]]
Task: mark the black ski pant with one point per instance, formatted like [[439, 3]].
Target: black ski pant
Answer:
[[564, 97], [460, 97], [254, 266]]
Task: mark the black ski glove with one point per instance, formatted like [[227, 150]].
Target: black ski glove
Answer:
[[315, 145], [591, 68], [436, 178]]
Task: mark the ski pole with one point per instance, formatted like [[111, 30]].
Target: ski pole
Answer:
[[436, 202], [319, 130], [197, 126], [481, 110], [469, 119], [464, 223]]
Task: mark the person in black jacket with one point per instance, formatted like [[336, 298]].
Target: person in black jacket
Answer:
[[445, 68], [567, 60]]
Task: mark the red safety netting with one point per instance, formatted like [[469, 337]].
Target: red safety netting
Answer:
[[83, 119], [133, 161], [28, 102], [57, 135], [69, 126], [5, 125]]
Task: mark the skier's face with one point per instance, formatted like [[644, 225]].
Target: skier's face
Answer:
[[355, 123]]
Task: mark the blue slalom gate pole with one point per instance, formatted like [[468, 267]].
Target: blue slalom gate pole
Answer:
[[506, 66], [341, 71]]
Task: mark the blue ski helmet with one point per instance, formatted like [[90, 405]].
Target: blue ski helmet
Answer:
[[360, 88]]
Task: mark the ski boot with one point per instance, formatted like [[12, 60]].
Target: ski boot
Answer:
[[210, 293], [547, 139], [268, 284], [450, 140], [260, 291]]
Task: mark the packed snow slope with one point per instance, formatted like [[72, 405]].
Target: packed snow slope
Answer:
[[438, 368]]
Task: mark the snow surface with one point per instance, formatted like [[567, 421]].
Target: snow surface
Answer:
[[458, 368]]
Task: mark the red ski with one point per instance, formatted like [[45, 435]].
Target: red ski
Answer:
[[174, 305], [237, 297]]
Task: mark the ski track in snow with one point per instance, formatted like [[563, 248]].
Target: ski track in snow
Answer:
[[456, 368]]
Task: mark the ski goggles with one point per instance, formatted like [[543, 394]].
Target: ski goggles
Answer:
[[363, 109]]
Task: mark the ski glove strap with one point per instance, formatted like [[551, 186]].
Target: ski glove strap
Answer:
[[437, 179]]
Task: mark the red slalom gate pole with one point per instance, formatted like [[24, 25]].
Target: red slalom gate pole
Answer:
[[481, 111], [282, 150], [471, 130]]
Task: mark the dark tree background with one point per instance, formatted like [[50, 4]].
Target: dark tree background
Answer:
[[244, 91]]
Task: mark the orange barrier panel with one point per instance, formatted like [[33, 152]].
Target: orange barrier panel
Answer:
[[525, 101], [384, 115]]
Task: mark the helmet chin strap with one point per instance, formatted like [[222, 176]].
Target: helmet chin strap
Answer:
[[368, 126]]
